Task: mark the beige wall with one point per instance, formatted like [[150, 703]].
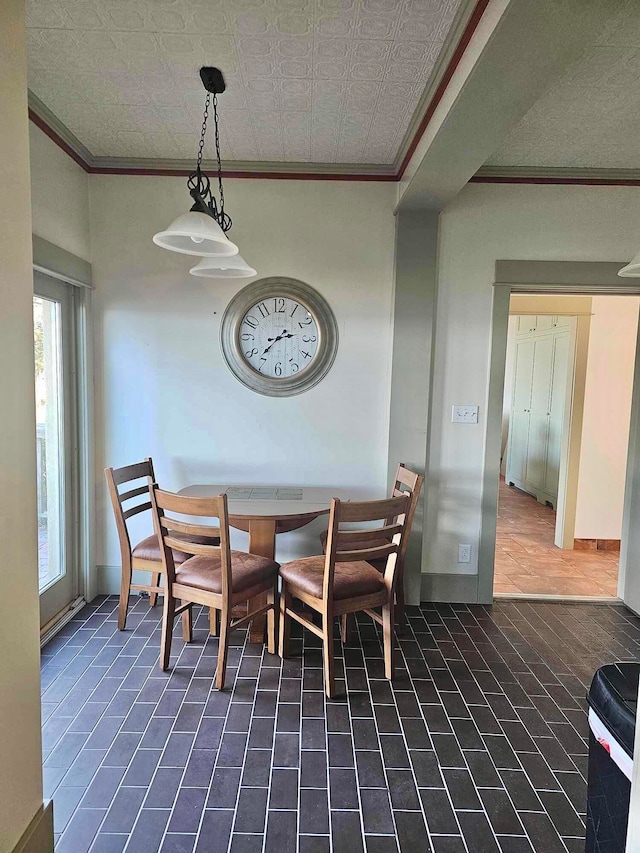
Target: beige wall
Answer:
[[20, 759], [486, 223], [162, 387], [607, 410], [59, 196]]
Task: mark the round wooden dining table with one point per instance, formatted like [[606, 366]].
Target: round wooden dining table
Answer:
[[264, 511]]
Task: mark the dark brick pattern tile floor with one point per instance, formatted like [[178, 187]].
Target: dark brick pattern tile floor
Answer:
[[478, 746]]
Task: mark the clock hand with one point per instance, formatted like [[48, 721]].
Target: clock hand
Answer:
[[274, 340], [284, 334]]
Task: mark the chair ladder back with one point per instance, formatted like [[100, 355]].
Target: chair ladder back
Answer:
[[166, 526], [414, 483], [342, 545], [117, 477]]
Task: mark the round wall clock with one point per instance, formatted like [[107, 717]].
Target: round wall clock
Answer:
[[279, 337]]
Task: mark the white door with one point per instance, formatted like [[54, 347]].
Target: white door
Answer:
[[56, 444], [520, 413], [556, 411], [540, 394]]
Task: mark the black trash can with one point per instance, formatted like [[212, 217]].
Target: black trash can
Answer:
[[612, 697]]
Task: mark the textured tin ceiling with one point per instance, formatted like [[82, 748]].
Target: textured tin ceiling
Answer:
[[318, 81], [590, 118]]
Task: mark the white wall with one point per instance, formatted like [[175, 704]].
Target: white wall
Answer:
[[487, 222], [20, 744], [607, 410], [59, 196], [162, 388]]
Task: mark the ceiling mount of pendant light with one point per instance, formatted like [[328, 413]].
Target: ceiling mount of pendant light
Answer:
[[203, 230]]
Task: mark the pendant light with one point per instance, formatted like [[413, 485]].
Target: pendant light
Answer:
[[632, 269], [203, 230], [233, 266]]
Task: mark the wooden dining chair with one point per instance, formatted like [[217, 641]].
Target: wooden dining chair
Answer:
[[343, 581], [145, 556], [406, 482], [214, 576]]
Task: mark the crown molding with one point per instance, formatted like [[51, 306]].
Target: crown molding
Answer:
[[49, 123], [244, 169], [56, 130], [464, 25], [557, 175]]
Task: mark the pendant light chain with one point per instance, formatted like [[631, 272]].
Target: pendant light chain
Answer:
[[203, 131], [198, 182]]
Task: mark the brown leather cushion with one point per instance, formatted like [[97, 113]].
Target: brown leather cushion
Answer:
[[247, 570], [349, 581], [149, 549]]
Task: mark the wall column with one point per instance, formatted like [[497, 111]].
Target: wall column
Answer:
[[22, 819], [413, 327]]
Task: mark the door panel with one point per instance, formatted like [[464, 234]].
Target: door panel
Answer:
[[544, 322], [540, 397], [55, 444], [526, 323], [556, 411], [519, 418], [562, 322], [518, 444]]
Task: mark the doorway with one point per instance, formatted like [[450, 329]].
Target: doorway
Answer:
[[56, 444], [568, 382], [563, 279]]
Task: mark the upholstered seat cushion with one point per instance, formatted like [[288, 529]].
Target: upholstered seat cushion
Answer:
[[350, 580], [149, 548], [247, 570]]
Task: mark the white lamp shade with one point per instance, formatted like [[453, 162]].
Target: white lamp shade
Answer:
[[196, 233], [632, 269], [229, 267]]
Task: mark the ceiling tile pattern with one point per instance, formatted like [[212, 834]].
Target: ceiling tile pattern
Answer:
[[331, 81], [590, 118]]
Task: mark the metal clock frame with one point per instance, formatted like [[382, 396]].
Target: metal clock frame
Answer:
[[317, 306]]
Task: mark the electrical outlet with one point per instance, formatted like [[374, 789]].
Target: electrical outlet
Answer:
[[464, 414], [464, 553]]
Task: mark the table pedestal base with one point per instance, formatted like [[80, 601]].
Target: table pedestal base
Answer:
[[262, 542]]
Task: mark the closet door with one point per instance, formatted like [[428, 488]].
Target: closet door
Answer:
[[544, 322], [526, 323], [556, 411], [562, 322], [520, 412], [540, 398]]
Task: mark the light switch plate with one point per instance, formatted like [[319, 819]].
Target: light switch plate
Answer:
[[464, 414]]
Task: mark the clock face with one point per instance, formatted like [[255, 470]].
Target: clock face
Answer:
[[278, 337]]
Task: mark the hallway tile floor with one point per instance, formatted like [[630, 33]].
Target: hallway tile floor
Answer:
[[479, 745], [528, 562]]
